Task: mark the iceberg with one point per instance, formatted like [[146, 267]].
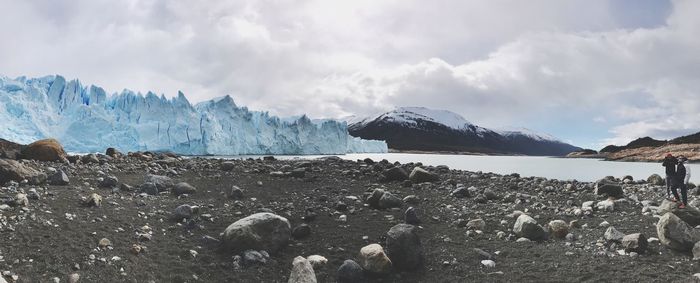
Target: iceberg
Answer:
[[87, 119]]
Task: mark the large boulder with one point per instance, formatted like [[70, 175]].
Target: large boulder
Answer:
[[183, 188], [656, 180], [10, 149], [404, 248], [558, 228], [395, 174], [613, 235], [420, 175], [260, 231], [689, 214], [675, 233], [11, 170], [389, 200], [635, 243], [373, 259], [302, 271], [526, 227], [45, 150], [350, 272], [609, 188], [163, 183], [59, 178]]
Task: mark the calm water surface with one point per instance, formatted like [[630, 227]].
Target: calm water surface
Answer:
[[586, 170]]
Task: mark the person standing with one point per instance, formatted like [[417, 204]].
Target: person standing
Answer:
[[680, 181], [670, 164]]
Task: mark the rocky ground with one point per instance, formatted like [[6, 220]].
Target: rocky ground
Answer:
[[119, 218]]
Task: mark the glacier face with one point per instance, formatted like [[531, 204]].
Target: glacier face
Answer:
[[86, 119]]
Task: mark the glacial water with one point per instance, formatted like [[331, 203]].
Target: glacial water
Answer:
[[586, 170]]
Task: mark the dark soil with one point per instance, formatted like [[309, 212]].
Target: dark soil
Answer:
[[39, 242]]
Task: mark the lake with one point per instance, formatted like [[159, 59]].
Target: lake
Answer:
[[587, 170]]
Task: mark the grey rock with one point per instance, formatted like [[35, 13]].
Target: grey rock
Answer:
[[298, 173], [227, 166], [236, 193], [675, 233], [404, 248], [252, 257], [260, 231], [389, 200], [302, 271], [301, 231], [526, 227], [59, 179], [689, 214], [420, 175], [613, 235], [395, 174], [149, 188], [635, 243], [185, 211], [163, 183], [460, 192], [109, 182], [183, 188], [11, 170], [350, 272], [411, 216], [610, 188]]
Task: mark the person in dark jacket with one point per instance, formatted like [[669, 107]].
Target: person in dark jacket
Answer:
[[670, 164], [679, 181]]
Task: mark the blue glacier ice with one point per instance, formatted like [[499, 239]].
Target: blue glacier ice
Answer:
[[86, 119]]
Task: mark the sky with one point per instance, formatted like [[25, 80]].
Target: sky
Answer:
[[591, 73]]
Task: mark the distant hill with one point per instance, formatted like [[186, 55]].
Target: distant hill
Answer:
[[424, 129]]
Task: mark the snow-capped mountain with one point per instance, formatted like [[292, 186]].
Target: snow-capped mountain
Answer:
[[419, 128], [86, 119]]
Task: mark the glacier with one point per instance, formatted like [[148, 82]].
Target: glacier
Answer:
[[87, 119]]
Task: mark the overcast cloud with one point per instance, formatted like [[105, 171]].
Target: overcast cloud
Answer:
[[591, 72]]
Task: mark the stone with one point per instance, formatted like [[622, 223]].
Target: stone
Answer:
[[302, 271], [403, 247], [149, 188], [183, 188], [476, 224], [350, 272], [689, 214], [227, 166], [89, 158], [298, 173], [317, 261], [109, 182], [696, 251], [490, 194], [488, 263], [112, 152], [420, 175], [395, 174], [301, 231], [526, 227], [373, 259], [21, 200], [609, 188], [94, 200], [675, 233], [236, 193], [606, 205], [613, 235], [558, 228], [58, 179], [10, 150], [163, 183], [185, 211], [11, 170], [252, 257], [389, 200], [411, 216], [460, 192], [635, 243], [104, 243], [483, 254], [44, 150], [260, 231], [73, 278], [656, 180]]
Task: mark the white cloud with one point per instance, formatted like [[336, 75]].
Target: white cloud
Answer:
[[495, 62]]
